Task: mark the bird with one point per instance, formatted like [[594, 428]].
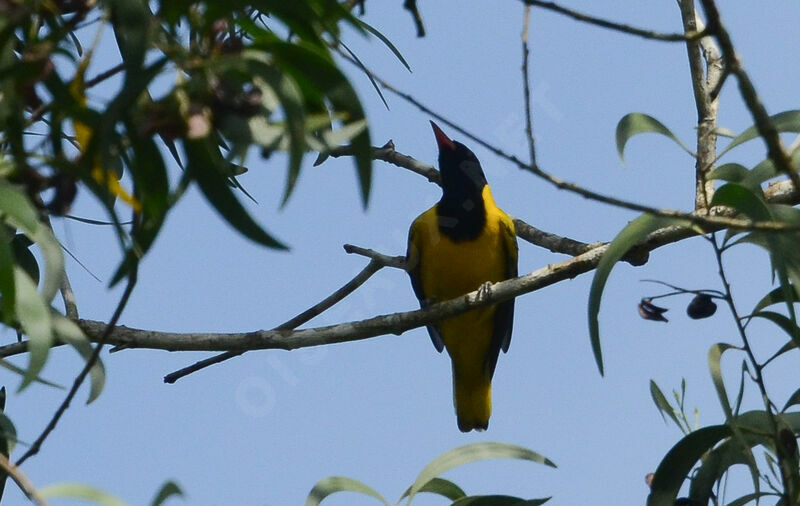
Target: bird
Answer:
[[463, 243]]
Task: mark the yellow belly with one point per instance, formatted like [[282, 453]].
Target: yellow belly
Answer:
[[450, 269]]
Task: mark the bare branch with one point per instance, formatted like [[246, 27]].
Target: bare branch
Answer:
[[388, 154], [527, 86], [704, 82], [100, 339], [647, 34], [315, 310], [411, 6], [21, 480], [766, 129], [709, 221]]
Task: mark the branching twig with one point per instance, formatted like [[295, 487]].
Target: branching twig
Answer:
[[315, 310], [101, 339], [647, 34], [527, 86], [764, 125], [21, 480], [411, 6], [704, 82], [709, 221]]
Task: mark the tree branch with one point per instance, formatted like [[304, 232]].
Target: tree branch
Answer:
[[21, 480], [395, 323], [527, 86], [764, 125], [315, 310], [631, 30], [100, 338], [704, 82]]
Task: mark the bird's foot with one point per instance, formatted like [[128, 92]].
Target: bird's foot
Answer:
[[485, 290]]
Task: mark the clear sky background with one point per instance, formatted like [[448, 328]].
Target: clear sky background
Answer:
[[263, 428]]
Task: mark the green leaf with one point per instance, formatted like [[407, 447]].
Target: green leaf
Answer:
[[8, 438], [18, 370], [7, 290], [662, 403], [777, 296], [386, 41], [629, 237], [279, 84], [794, 400], [742, 199], [201, 159], [747, 499], [472, 453], [167, 490], [714, 365], [731, 172], [637, 123], [315, 68], [8, 433], [498, 500], [787, 121], [33, 314], [81, 491], [334, 484], [21, 214], [69, 332], [714, 466], [785, 323], [439, 486], [678, 462], [20, 246]]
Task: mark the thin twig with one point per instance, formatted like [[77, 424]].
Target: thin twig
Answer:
[[708, 221], [21, 480], [411, 6], [107, 332], [632, 30], [527, 86], [315, 310], [70, 305], [764, 125], [704, 81]]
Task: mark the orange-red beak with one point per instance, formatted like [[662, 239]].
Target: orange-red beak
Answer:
[[442, 140]]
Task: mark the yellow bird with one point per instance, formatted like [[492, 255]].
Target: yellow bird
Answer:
[[455, 247]]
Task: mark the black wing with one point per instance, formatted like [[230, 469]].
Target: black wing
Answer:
[[413, 266], [504, 313]]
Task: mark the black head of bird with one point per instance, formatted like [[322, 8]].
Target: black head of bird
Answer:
[[461, 209]]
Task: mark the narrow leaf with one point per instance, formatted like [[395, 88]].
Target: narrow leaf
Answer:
[[334, 484], [714, 359], [630, 236], [472, 453], [678, 462], [637, 123], [168, 489], [386, 41], [69, 332], [787, 121], [34, 315], [439, 486], [215, 188], [79, 491], [776, 296], [662, 403], [784, 322], [498, 500]]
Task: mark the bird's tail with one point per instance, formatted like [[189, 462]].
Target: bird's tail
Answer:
[[472, 396]]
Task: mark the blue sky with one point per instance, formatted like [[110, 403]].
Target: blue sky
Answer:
[[263, 428]]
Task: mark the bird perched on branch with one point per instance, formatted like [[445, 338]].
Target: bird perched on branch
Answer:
[[457, 246]]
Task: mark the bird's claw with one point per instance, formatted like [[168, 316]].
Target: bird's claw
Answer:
[[485, 290]]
